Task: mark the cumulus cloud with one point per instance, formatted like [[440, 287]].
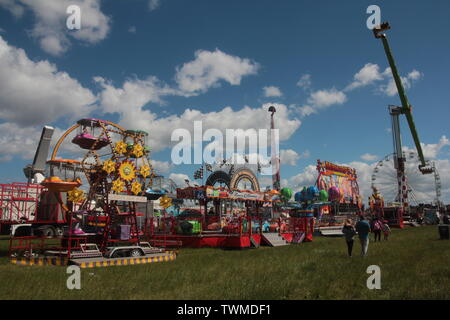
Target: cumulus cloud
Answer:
[[366, 76], [390, 88], [290, 157], [272, 91], [179, 179], [160, 166], [17, 141], [135, 94], [50, 22], [153, 4], [209, 68], [34, 92], [370, 74], [369, 157], [13, 6], [431, 150], [326, 98], [305, 178], [305, 81], [322, 99]]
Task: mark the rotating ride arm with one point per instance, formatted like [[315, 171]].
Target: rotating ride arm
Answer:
[[406, 107]]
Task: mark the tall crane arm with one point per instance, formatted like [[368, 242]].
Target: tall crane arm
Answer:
[[406, 107]]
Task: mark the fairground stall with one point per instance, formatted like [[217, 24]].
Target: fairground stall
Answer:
[[216, 217], [340, 182]]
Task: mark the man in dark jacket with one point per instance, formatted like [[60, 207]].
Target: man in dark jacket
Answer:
[[363, 229]]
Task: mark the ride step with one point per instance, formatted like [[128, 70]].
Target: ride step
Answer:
[[274, 239], [254, 243]]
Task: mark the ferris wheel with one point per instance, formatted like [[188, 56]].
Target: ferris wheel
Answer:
[[421, 188]]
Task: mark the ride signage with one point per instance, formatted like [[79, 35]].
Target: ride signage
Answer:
[[331, 168], [124, 197]]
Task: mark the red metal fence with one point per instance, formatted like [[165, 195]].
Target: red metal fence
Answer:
[[19, 202]]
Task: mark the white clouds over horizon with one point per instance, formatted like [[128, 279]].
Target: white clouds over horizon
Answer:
[[322, 99], [32, 92], [272, 91], [369, 157], [50, 22], [370, 75], [209, 68]]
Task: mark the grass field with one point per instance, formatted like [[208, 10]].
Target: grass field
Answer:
[[414, 265]]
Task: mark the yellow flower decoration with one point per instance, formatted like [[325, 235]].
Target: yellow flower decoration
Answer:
[[118, 185], [76, 195], [109, 166], [138, 150], [127, 171], [121, 147], [145, 171], [165, 202], [136, 188]]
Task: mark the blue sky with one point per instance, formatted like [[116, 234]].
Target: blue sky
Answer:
[[138, 51]]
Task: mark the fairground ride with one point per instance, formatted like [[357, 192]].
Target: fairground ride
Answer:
[[395, 112], [101, 222]]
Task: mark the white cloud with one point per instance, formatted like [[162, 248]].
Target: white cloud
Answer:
[[209, 68], [135, 94], [305, 81], [326, 98], [290, 157], [153, 4], [369, 157], [17, 141], [50, 22], [371, 74], [390, 88], [14, 6], [160, 166], [306, 178], [366, 76], [35, 92], [432, 150], [132, 29], [322, 99], [179, 179], [272, 91]]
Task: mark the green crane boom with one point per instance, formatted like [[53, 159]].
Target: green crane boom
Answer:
[[406, 107]]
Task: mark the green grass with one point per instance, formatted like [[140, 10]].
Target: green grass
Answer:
[[414, 265]]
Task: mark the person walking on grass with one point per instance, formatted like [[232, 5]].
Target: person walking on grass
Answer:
[[376, 229], [386, 230], [349, 232], [363, 229]]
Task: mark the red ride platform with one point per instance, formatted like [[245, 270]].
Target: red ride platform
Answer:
[[216, 240]]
